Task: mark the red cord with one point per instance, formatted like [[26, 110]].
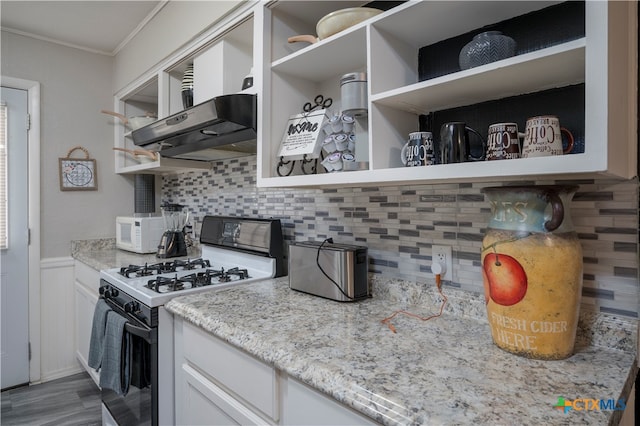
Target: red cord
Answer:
[[387, 320]]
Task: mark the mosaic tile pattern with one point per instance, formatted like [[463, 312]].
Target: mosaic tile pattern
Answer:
[[399, 224]]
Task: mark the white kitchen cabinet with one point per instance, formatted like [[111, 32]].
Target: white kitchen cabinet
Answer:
[[204, 403], [302, 405], [87, 282], [229, 59], [629, 415], [223, 55], [218, 384], [604, 60]]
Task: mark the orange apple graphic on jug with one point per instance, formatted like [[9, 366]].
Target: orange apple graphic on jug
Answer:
[[505, 281]]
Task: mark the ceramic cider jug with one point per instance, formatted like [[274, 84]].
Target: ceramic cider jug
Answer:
[[532, 270]]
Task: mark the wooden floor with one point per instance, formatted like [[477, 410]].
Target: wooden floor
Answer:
[[73, 400]]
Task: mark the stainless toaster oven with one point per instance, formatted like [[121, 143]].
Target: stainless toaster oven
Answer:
[[326, 269]]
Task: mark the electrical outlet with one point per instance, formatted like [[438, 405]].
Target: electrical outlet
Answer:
[[442, 255]]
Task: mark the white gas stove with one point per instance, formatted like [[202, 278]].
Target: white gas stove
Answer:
[[154, 284], [235, 251]]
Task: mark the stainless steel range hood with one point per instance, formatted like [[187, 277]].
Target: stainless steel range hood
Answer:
[[222, 127]]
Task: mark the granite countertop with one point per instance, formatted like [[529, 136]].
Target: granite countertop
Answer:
[[103, 254], [445, 370], [442, 371]]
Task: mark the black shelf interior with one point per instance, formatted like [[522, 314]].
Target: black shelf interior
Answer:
[[533, 31], [537, 30], [567, 103]]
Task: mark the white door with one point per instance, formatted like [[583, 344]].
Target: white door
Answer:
[[14, 263]]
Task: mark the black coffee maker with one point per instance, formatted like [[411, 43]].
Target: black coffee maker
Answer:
[[172, 243]]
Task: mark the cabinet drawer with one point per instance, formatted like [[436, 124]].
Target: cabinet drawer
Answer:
[[206, 404], [87, 276], [234, 370]]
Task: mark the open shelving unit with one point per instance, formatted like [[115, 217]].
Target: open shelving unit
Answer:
[[224, 55], [388, 48]]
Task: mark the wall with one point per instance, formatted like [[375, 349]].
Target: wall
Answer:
[[176, 24], [400, 223], [75, 86]]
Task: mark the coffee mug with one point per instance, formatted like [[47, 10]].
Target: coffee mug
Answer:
[[454, 143], [503, 141], [418, 151], [543, 137]]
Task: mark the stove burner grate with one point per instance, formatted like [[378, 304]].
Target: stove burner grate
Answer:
[[167, 284], [187, 265], [197, 279], [146, 270]]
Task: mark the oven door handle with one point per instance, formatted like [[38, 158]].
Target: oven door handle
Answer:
[[150, 335], [144, 333]]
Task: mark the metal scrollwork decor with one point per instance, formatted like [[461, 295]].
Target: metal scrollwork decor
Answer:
[[302, 138]]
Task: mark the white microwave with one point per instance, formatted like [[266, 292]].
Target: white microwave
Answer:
[[139, 234]]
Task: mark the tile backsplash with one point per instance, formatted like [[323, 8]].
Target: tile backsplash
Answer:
[[399, 224]]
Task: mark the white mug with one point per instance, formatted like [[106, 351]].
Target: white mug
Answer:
[[543, 137]]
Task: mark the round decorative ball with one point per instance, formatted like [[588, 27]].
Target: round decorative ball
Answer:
[[486, 47]]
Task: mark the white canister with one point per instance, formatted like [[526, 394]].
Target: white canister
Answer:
[[336, 161], [347, 124], [336, 123], [349, 162], [354, 93], [351, 146], [342, 141], [329, 145], [333, 162]]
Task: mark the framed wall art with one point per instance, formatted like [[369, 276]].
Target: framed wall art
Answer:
[[78, 174]]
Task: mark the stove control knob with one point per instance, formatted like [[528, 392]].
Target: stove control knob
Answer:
[[110, 292], [132, 307]]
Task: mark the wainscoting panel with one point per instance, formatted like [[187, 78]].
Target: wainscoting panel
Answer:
[[57, 323]]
